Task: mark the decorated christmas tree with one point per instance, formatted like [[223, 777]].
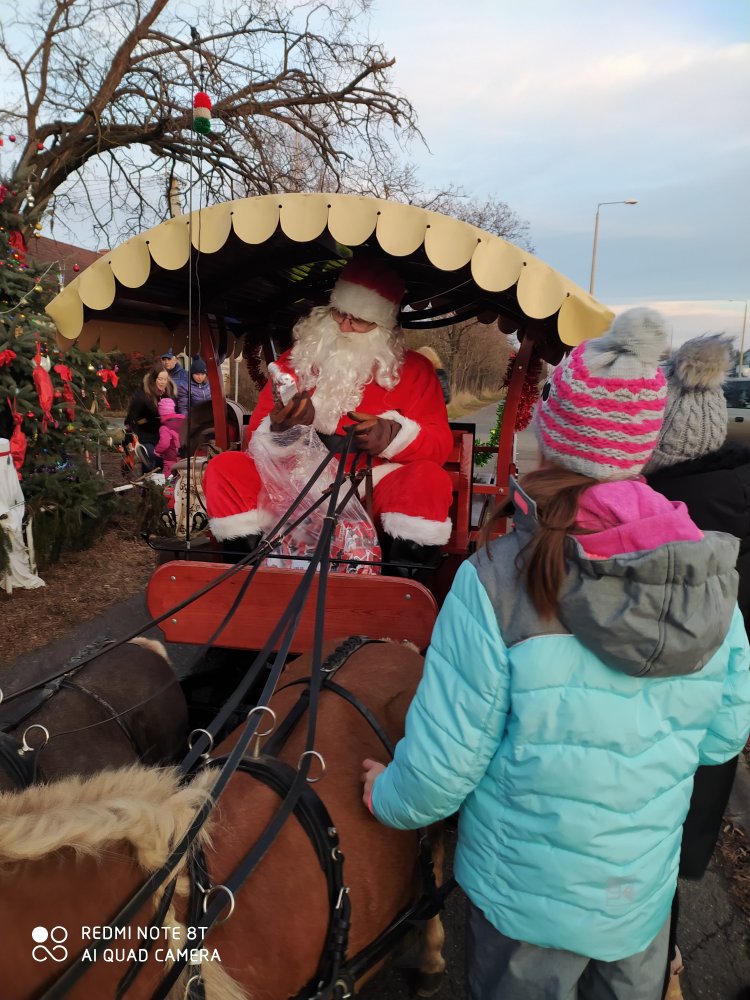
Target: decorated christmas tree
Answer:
[[52, 404]]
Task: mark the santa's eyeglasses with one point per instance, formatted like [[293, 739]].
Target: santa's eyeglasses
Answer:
[[357, 324]]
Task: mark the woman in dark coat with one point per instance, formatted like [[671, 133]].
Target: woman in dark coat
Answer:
[[142, 418], [694, 463]]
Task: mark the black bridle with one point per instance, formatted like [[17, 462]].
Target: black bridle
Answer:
[[335, 975], [280, 638]]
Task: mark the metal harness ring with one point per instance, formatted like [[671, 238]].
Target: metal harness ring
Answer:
[[25, 747], [196, 732], [312, 753], [188, 984], [263, 708], [207, 897]]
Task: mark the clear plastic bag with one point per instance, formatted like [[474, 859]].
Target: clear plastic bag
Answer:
[[286, 461]]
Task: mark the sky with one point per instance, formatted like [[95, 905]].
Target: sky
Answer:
[[555, 106]]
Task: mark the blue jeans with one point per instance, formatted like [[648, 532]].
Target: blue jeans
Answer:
[[500, 968]]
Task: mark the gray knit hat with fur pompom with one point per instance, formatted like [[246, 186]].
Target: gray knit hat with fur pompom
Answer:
[[695, 422]]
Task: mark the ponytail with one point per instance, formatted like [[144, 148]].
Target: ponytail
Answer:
[[541, 563]]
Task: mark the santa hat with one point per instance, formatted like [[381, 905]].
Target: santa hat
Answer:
[[695, 422], [602, 410], [367, 289]]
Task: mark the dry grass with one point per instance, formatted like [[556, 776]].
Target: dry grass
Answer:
[[81, 585], [464, 403], [78, 588]]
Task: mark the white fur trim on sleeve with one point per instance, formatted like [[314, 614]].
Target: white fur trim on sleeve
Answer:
[[248, 522], [409, 431], [417, 529]]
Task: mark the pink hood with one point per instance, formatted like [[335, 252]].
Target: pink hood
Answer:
[[628, 516]]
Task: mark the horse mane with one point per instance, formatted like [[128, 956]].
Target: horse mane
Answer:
[[146, 807]]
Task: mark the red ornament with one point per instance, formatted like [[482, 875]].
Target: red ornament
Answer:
[[67, 392], [76, 268], [12, 138], [43, 384], [16, 240], [108, 375], [18, 438], [7, 356], [40, 145]]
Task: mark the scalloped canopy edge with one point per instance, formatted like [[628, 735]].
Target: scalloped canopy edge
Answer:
[[495, 265]]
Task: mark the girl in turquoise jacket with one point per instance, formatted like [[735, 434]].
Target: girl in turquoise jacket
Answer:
[[581, 669]]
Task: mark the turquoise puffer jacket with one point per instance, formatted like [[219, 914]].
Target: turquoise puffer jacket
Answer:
[[572, 764]]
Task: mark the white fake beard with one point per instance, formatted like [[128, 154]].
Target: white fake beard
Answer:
[[339, 365]]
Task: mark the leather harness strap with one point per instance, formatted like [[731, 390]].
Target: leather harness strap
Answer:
[[19, 765]]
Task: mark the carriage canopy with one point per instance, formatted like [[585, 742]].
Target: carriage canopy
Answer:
[[256, 264]]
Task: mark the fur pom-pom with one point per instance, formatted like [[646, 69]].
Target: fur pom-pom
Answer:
[[702, 363], [640, 332]]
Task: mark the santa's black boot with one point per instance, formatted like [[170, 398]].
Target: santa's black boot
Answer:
[[235, 549], [411, 560]]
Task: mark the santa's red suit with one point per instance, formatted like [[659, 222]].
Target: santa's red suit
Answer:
[[412, 492]]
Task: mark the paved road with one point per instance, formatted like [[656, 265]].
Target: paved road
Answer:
[[526, 446]]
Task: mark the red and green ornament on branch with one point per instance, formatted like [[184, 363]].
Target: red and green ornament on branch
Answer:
[[527, 401]]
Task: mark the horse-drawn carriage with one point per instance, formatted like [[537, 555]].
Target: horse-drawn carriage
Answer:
[[231, 278], [236, 277]]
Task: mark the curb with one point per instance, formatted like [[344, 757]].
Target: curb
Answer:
[[738, 808]]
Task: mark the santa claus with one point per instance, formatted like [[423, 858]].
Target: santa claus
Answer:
[[350, 366]]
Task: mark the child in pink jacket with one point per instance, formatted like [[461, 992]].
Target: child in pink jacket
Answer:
[[168, 445]]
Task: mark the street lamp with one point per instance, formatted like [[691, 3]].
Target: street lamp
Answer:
[[628, 201], [741, 362]]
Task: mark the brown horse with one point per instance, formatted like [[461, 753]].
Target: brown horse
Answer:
[[122, 707], [71, 854]]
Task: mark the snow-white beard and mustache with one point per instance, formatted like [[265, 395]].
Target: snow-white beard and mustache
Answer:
[[339, 365]]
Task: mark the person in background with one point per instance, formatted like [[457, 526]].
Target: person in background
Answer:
[[195, 388], [175, 370], [443, 377], [581, 668], [694, 463], [142, 418], [168, 446]]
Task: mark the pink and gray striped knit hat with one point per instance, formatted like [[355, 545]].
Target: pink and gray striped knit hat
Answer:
[[601, 411]]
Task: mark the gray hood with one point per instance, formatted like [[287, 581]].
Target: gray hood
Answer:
[[661, 612]]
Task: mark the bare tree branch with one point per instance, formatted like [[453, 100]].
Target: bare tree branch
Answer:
[[293, 87]]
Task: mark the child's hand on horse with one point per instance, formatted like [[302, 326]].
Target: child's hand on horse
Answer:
[[373, 434], [299, 411], [371, 769]]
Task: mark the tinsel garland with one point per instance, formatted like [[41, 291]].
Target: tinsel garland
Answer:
[[526, 403], [253, 361]]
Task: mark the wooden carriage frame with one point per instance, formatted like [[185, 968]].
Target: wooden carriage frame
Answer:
[[237, 276]]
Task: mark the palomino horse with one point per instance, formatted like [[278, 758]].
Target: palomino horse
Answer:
[[122, 707], [72, 853]]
